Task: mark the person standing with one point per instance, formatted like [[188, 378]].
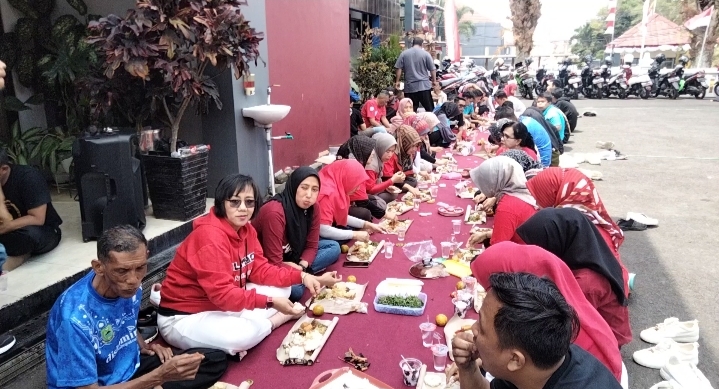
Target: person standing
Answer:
[[419, 75]]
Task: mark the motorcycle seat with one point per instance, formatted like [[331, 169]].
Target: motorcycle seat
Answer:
[[665, 71], [689, 73]]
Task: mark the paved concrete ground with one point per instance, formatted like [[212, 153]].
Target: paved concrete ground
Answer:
[[672, 174]]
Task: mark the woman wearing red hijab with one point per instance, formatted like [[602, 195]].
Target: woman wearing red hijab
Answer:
[[594, 336], [557, 187], [340, 180]]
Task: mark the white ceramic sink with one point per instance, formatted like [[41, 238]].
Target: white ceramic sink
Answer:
[[266, 115]]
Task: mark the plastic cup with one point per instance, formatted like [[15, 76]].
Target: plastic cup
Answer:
[[456, 227], [446, 249], [3, 281], [400, 235], [470, 283], [439, 352], [388, 249], [416, 203], [427, 329], [460, 308], [433, 190], [410, 370]]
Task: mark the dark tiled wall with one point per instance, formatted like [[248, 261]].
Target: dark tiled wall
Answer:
[[388, 11]]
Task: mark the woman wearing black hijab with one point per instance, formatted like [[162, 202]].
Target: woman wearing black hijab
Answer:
[[288, 227], [568, 234]]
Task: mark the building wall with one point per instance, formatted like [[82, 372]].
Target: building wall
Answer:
[[486, 40], [312, 71], [387, 10]]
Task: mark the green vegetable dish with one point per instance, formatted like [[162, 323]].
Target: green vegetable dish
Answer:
[[401, 301]]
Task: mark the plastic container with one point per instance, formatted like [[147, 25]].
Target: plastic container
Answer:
[[401, 310]]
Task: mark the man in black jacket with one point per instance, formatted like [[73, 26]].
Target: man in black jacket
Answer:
[[566, 106]]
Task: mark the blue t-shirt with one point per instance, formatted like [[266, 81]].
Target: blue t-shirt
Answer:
[[541, 139], [555, 118], [469, 109], [91, 339]]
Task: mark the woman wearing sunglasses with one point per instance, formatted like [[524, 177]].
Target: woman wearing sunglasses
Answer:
[[220, 291]]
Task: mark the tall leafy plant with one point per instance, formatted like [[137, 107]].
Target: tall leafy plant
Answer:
[[373, 71], [177, 40]]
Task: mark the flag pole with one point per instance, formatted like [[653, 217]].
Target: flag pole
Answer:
[[704, 41]]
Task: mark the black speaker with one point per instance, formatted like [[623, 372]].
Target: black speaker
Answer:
[[110, 183]]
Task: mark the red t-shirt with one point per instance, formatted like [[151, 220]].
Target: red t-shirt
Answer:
[[532, 154], [392, 166], [370, 109], [510, 214], [270, 225], [599, 293]]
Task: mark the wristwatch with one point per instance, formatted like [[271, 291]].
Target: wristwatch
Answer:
[[269, 303]]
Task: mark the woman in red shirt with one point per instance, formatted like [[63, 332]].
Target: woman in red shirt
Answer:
[[408, 143], [288, 227], [503, 179], [594, 334], [220, 291], [566, 233], [515, 136], [557, 187]]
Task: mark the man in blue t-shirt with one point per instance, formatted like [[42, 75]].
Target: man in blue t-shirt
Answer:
[[92, 337], [553, 114]]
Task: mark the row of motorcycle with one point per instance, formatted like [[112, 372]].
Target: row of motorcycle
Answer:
[[600, 82], [593, 83]]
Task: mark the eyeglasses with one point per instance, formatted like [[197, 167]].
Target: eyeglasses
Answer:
[[505, 136], [249, 203]]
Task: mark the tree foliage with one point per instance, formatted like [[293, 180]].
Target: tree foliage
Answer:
[[525, 15], [374, 69], [466, 28]]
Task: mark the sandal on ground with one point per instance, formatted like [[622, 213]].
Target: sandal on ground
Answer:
[[631, 225]]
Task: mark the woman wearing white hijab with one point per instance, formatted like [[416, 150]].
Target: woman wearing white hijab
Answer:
[[503, 178]]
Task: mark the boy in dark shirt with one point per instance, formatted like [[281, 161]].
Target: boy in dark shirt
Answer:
[[29, 224], [523, 338], [356, 121], [566, 106]]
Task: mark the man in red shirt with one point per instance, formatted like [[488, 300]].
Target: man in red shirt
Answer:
[[374, 114]]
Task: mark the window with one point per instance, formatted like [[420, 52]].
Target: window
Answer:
[[355, 29]]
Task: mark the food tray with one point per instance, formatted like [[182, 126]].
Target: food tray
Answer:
[[407, 223], [353, 258], [282, 355], [468, 213], [339, 378], [342, 306], [450, 211], [402, 310], [424, 196], [418, 270], [400, 207]]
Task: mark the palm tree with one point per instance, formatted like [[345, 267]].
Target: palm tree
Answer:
[[466, 28], [525, 15]]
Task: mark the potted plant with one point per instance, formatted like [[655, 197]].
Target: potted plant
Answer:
[[175, 42]]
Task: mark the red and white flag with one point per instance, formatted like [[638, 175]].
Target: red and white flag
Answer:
[[451, 31], [701, 20], [611, 17], [423, 11]]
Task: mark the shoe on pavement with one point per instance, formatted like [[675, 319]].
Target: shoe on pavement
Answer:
[[657, 356], [671, 384], [642, 218], [155, 295], [685, 374], [605, 145], [148, 333], [672, 328], [6, 342]]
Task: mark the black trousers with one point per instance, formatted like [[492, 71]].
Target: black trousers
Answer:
[[374, 204], [211, 368], [32, 240], [422, 97]]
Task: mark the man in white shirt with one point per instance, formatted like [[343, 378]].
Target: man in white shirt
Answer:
[[501, 96]]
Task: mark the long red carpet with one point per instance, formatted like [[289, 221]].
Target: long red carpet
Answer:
[[380, 337]]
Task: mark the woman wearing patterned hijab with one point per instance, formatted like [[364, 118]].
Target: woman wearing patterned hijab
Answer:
[[530, 166]]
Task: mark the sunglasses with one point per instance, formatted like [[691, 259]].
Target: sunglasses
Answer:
[[249, 203]]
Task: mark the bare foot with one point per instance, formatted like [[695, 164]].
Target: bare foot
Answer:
[[14, 262]]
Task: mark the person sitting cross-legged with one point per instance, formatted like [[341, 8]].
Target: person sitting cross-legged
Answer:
[[523, 338], [92, 336], [29, 224]]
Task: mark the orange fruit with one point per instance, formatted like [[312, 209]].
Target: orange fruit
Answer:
[[441, 320], [344, 248], [318, 310], [460, 285], [351, 279]]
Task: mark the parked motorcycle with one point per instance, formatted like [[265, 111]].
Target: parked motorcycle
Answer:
[[589, 88], [618, 85], [525, 79], [694, 83], [543, 78], [640, 86], [669, 79]]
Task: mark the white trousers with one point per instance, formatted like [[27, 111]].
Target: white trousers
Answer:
[[232, 332]]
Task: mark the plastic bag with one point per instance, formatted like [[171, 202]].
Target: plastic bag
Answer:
[[415, 251]]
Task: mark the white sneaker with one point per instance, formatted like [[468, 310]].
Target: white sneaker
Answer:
[[685, 374], [657, 357], [671, 384], [672, 328], [155, 295], [642, 218]]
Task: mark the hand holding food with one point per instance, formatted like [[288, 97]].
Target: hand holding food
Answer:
[[464, 350], [479, 198], [488, 204], [329, 279], [398, 178], [478, 237], [393, 189], [284, 305], [362, 236], [312, 283], [414, 191], [390, 215], [372, 227]]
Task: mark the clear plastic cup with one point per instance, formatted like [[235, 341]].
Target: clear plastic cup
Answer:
[[416, 203], [456, 227], [410, 370], [388, 249], [400, 234], [3, 281], [433, 190], [427, 329], [439, 352], [460, 307], [446, 249], [470, 283]]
